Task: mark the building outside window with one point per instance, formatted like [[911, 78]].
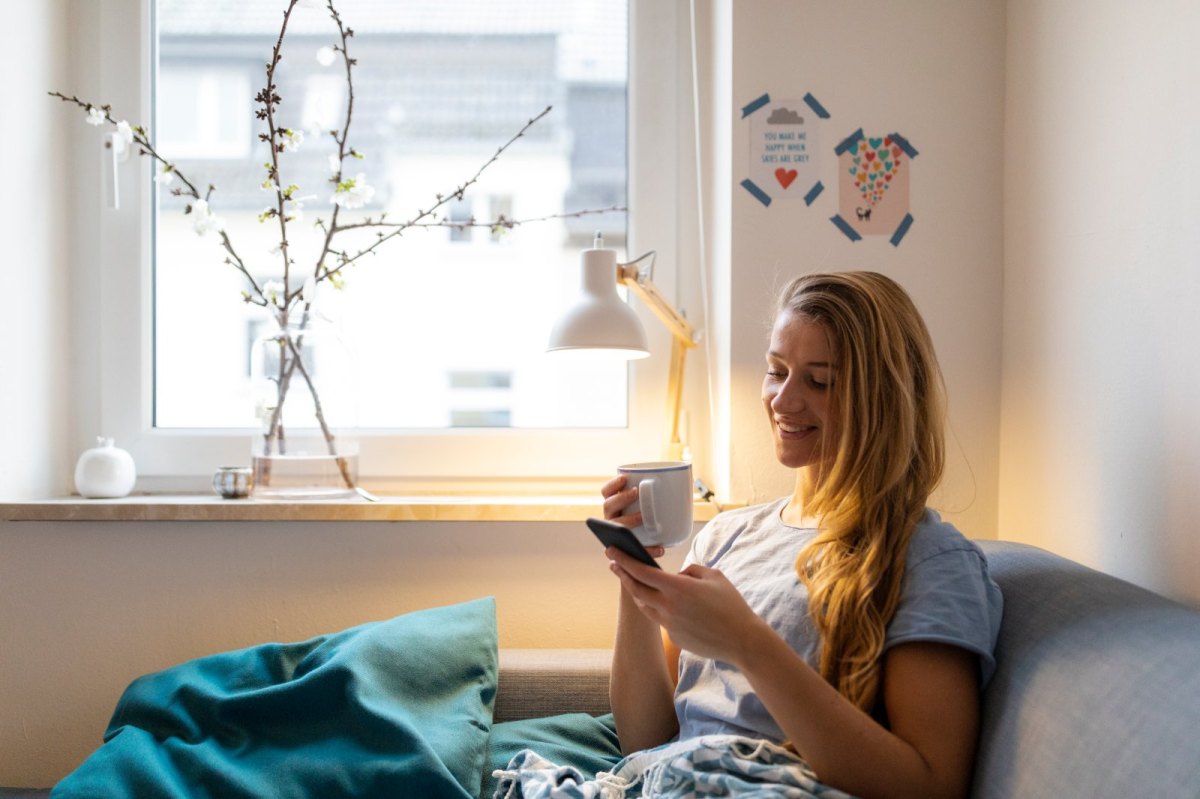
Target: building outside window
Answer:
[[435, 96]]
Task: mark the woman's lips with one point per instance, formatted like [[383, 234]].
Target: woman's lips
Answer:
[[792, 431]]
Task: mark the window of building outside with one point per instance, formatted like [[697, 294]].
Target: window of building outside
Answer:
[[447, 324]]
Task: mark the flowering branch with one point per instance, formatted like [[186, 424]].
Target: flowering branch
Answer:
[[346, 260]]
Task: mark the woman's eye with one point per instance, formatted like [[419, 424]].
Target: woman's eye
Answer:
[[776, 373], [818, 384]]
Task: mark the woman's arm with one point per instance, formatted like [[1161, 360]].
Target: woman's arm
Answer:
[[645, 664], [930, 690], [931, 694], [641, 688]]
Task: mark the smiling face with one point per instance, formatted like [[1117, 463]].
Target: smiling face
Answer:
[[797, 390]]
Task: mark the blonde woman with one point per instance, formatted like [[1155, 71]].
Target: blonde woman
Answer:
[[846, 619]]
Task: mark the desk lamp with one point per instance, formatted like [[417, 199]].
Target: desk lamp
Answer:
[[601, 322]]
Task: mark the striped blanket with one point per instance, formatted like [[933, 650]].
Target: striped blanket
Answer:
[[708, 766]]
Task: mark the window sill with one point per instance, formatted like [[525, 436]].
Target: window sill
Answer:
[[206, 508]]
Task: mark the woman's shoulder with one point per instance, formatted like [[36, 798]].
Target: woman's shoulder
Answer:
[[933, 536], [728, 526]]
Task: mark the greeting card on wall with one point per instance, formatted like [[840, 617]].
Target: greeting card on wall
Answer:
[[784, 142], [873, 186]]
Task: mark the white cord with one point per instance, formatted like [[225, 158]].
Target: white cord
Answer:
[[703, 254]]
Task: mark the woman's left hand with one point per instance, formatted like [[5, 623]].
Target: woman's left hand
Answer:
[[698, 607]]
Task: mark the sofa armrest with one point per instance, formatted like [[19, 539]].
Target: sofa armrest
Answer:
[[547, 682]]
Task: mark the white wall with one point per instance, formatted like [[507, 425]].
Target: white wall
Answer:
[[1100, 444], [934, 72], [35, 208]]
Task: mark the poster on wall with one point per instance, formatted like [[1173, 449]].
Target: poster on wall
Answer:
[[784, 145], [873, 186]]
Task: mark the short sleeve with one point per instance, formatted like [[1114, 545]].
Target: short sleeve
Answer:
[[949, 598]]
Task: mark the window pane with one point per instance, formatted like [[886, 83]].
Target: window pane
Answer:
[[447, 324]]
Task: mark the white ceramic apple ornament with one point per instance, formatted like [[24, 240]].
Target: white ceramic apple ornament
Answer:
[[105, 471]]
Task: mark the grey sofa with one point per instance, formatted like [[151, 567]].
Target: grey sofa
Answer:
[[1096, 694]]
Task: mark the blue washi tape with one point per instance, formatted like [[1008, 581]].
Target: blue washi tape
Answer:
[[905, 224], [844, 226], [903, 144], [817, 108], [758, 193], [750, 108], [813, 193], [848, 142]]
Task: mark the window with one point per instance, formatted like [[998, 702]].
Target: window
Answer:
[[422, 324]]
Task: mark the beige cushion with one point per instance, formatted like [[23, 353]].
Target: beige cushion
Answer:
[[546, 682]]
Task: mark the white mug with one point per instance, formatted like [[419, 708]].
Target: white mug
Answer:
[[664, 498]]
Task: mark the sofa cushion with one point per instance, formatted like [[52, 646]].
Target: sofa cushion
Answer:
[[1097, 690]]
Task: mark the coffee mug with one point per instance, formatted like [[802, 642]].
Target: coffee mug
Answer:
[[664, 498]]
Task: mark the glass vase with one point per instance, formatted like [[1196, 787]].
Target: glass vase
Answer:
[[304, 391]]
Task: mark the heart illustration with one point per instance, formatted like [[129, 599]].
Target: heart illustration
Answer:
[[876, 163], [785, 176]]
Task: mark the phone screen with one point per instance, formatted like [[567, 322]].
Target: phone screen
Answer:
[[614, 535]]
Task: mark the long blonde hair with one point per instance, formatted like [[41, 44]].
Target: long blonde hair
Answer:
[[889, 400]]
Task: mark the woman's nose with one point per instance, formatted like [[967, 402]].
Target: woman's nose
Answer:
[[787, 398]]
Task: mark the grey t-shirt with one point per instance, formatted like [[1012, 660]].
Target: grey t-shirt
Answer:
[[946, 596]]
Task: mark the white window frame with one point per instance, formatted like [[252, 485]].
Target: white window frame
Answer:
[[114, 284]]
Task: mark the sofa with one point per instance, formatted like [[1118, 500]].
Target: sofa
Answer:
[[1096, 693]]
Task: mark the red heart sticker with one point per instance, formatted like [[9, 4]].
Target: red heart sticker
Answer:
[[785, 176]]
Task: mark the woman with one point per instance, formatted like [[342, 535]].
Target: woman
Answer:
[[845, 619]]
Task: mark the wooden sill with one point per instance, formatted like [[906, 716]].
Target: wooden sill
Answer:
[[203, 508]]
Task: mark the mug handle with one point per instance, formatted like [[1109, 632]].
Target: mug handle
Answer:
[[646, 500]]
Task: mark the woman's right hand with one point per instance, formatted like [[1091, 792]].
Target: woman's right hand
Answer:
[[616, 499]]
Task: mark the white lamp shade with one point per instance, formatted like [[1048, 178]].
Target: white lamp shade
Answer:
[[599, 320]]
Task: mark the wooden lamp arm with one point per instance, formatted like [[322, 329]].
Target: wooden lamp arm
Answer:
[[683, 338]]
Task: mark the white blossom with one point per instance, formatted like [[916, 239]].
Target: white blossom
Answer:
[[326, 55], [335, 164], [125, 132], [96, 116], [293, 210], [292, 139], [166, 175], [269, 185], [273, 291], [204, 220], [353, 192]]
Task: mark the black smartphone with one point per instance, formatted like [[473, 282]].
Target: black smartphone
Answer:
[[614, 535]]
